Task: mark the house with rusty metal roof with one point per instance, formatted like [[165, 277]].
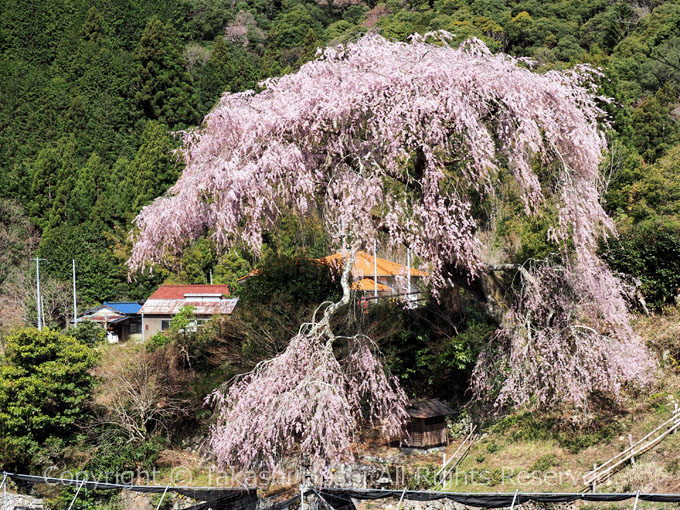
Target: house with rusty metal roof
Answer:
[[168, 300]]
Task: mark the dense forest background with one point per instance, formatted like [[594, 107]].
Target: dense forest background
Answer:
[[94, 94]]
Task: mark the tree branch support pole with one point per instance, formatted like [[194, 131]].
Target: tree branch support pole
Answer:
[[302, 497], [408, 270], [637, 496], [77, 492], [514, 499], [630, 442], [158, 506]]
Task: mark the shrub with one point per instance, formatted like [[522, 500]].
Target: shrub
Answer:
[[156, 342], [650, 251], [88, 333], [141, 391], [301, 282], [44, 391]]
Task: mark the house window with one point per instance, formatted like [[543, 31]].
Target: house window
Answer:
[[165, 324], [135, 327]]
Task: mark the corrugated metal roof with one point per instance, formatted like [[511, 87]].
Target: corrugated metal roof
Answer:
[[126, 307], [178, 291], [428, 409], [119, 320], [173, 306]]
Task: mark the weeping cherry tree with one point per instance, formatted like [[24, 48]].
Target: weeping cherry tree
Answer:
[[409, 141]]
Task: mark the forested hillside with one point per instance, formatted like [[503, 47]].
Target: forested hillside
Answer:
[[93, 93], [97, 98]]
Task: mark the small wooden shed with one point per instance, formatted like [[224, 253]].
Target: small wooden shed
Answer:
[[427, 424]]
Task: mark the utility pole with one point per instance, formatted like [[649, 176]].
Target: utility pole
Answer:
[[75, 309], [37, 292]]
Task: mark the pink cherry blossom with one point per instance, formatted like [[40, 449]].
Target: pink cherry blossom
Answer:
[[406, 139]]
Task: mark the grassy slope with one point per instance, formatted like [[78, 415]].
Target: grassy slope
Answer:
[[526, 452], [523, 452]]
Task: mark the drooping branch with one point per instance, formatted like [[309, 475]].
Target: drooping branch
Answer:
[[371, 109], [306, 401], [337, 135], [561, 340]]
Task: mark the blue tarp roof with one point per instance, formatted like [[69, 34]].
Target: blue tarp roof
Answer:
[[127, 308]]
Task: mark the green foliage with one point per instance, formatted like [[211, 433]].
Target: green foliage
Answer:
[[158, 341], [216, 75], [297, 281], [154, 168], [310, 45], [182, 319], [45, 388], [654, 128], [544, 463], [230, 267], [650, 251], [98, 276], [163, 87], [575, 438], [88, 333], [114, 456], [292, 26], [431, 349]]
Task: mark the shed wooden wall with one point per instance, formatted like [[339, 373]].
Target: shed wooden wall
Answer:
[[423, 434]]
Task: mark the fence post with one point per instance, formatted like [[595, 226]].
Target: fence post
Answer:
[[594, 488], [4, 491], [158, 506], [74, 497], [514, 498]]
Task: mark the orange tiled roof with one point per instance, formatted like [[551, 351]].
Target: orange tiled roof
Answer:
[[367, 284], [363, 265]]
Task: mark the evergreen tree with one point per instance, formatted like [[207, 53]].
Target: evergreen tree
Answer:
[[87, 199], [216, 74], [310, 45], [49, 175], [45, 385], [92, 30], [246, 73], [155, 168], [163, 87]]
